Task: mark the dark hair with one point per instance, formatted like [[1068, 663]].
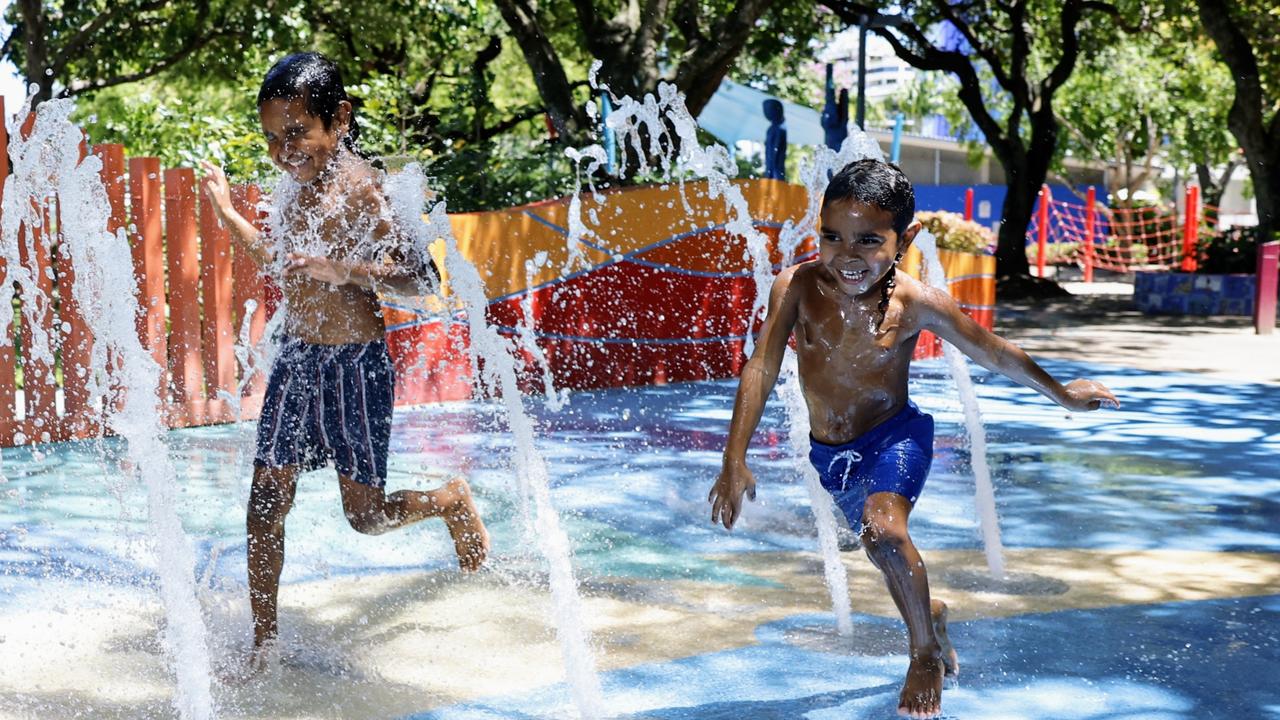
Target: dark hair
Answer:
[[877, 183], [314, 79]]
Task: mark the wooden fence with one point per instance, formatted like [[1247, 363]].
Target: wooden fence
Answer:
[[667, 300], [193, 289]]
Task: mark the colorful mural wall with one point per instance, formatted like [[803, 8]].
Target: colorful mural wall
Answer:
[[661, 293]]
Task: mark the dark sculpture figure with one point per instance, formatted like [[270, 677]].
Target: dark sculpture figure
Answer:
[[835, 115], [775, 141]]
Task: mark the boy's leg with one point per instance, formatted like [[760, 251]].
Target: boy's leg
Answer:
[[371, 511], [270, 499], [889, 547]]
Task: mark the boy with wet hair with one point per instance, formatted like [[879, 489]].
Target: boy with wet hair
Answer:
[[856, 324], [330, 393]]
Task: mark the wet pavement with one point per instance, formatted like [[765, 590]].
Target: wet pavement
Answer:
[[1142, 567]]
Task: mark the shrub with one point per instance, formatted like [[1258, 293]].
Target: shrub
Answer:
[[1234, 250], [1056, 253], [955, 233]]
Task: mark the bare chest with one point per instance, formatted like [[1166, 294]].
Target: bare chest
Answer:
[[851, 334]]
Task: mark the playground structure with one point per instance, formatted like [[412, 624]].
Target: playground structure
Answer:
[[1119, 239], [664, 298]]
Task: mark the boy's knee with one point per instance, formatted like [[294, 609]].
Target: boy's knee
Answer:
[[367, 523], [270, 497], [267, 505], [879, 537]]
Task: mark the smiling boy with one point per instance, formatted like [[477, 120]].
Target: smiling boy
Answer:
[[856, 323], [330, 392]]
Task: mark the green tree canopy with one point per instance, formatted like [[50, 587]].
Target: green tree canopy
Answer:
[[1010, 60], [1147, 101], [1243, 31]]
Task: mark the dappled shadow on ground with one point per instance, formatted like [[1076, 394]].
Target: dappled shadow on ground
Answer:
[[1187, 463], [1090, 327], [1201, 660]]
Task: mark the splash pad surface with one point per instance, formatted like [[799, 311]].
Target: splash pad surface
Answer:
[[1142, 566]]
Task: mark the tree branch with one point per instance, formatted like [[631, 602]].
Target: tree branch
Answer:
[[544, 63], [956, 63], [194, 44], [986, 53], [1235, 49], [523, 115], [688, 21], [1116, 16], [75, 44], [1066, 64], [705, 64], [8, 42], [588, 19]]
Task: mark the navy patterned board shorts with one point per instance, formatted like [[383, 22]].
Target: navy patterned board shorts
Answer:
[[329, 403], [893, 456]]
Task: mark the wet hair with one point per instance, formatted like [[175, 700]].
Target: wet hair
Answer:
[[883, 185], [876, 183], [314, 79]]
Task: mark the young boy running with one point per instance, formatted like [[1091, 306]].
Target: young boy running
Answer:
[[330, 391], [856, 323]]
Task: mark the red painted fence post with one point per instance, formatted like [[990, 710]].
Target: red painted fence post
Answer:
[[8, 361], [218, 335], [968, 204], [1264, 301], [248, 285], [147, 246], [1191, 230], [1042, 227], [1090, 214], [185, 361]]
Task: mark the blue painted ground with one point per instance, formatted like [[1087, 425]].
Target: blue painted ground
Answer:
[[1187, 463], [1136, 662]]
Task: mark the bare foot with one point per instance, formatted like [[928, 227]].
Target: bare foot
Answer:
[[470, 539], [949, 658], [922, 692], [260, 660]]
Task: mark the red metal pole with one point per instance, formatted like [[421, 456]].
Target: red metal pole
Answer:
[[1264, 303], [968, 204], [1090, 214], [1042, 223], [1191, 230]]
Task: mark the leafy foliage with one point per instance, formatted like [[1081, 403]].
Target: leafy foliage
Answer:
[[1234, 250], [953, 232]]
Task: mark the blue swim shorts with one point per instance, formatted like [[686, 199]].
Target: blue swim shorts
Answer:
[[893, 456], [329, 403]]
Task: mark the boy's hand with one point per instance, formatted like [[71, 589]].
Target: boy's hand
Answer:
[[318, 268], [1088, 395], [726, 495], [216, 187]]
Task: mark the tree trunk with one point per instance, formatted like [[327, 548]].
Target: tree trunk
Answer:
[[548, 72], [1025, 173], [1011, 247], [35, 35], [1266, 188], [1247, 120], [1211, 190]]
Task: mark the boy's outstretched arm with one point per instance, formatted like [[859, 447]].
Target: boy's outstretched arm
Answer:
[[757, 381], [219, 192], [940, 314]]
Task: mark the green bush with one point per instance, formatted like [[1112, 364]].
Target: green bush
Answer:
[[1234, 250], [955, 233]]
